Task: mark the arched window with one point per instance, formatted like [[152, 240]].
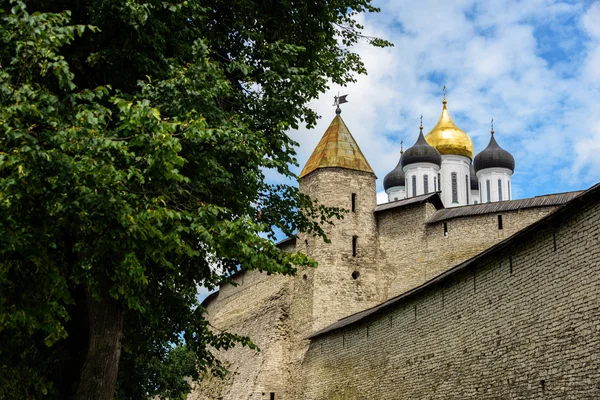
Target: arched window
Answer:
[[467, 187], [435, 184], [414, 185], [499, 189], [426, 183], [487, 184], [454, 188], [509, 198], [440, 182], [480, 194]]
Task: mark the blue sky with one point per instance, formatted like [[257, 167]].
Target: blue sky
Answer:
[[533, 66]]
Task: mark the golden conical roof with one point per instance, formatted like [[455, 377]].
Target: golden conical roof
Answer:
[[448, 138], [337, 148]]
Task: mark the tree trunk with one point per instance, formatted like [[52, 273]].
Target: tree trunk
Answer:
[[99, 373]]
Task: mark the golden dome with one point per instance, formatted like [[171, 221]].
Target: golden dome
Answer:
[[447, 138]]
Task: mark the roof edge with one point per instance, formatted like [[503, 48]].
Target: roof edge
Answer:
[[561, 209]]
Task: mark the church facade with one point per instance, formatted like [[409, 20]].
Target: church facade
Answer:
[[450, 290]]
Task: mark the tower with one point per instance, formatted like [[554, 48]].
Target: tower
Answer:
[[456, 149], [494, 167], [421, 164], [338, 175], [394, 182]]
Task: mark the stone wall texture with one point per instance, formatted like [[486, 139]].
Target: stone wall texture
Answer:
[[521, 323], [505, 329]]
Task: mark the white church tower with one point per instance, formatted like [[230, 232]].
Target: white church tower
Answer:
[[421, 165], [456, 149], [441, 161], [494, 167], [394, 182]]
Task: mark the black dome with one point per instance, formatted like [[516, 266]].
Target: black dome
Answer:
[[474, 181], [395, 177], [494, 157], [421, 152]]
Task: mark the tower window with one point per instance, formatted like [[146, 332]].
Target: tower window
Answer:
[[414, 185], [487, 184], [426, 183], [440, 182], [454, 188], [499, 222], [354, 245], [509, 198], [353, 202], [467, 186], [435, 184], [499, 189], [480, 194]]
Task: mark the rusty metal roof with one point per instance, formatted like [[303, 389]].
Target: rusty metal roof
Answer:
[[501, 206], [432, 198], [337, 148], [590, 195]]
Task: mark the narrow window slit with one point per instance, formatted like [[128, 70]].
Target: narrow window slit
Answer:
[[354, 245], [353, 202], [499, 222]]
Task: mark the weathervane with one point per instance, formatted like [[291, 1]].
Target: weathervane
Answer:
[[492, 131], [337, 100]]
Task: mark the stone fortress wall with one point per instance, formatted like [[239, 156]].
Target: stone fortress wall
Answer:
[[396, 251], [519, 321]]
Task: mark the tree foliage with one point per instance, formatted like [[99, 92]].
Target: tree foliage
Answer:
[[133, 147]]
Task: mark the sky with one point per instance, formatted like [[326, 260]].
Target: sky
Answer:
[[533, 66]]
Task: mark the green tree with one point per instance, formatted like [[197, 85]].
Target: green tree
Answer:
[[133, 144]]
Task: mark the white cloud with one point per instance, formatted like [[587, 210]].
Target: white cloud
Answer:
[[382, 197], [532, 66]]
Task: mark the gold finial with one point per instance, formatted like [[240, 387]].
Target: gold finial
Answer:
[[421, 126], [444, 89], [492, 131], [401, 149]]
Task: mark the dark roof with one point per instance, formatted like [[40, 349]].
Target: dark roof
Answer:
[[215, 294], [502, 206], [591, 194], [285, 241], [433, 198], [421, 152], [494, 156], [395, 177], [209, 298], [473, 176]]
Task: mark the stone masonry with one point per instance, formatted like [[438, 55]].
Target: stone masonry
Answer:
[[396, 251], [519, 321], [411, 300]]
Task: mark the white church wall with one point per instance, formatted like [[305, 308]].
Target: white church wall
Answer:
[[461, 166], [499, 183], [419, 171], [396, 193]]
